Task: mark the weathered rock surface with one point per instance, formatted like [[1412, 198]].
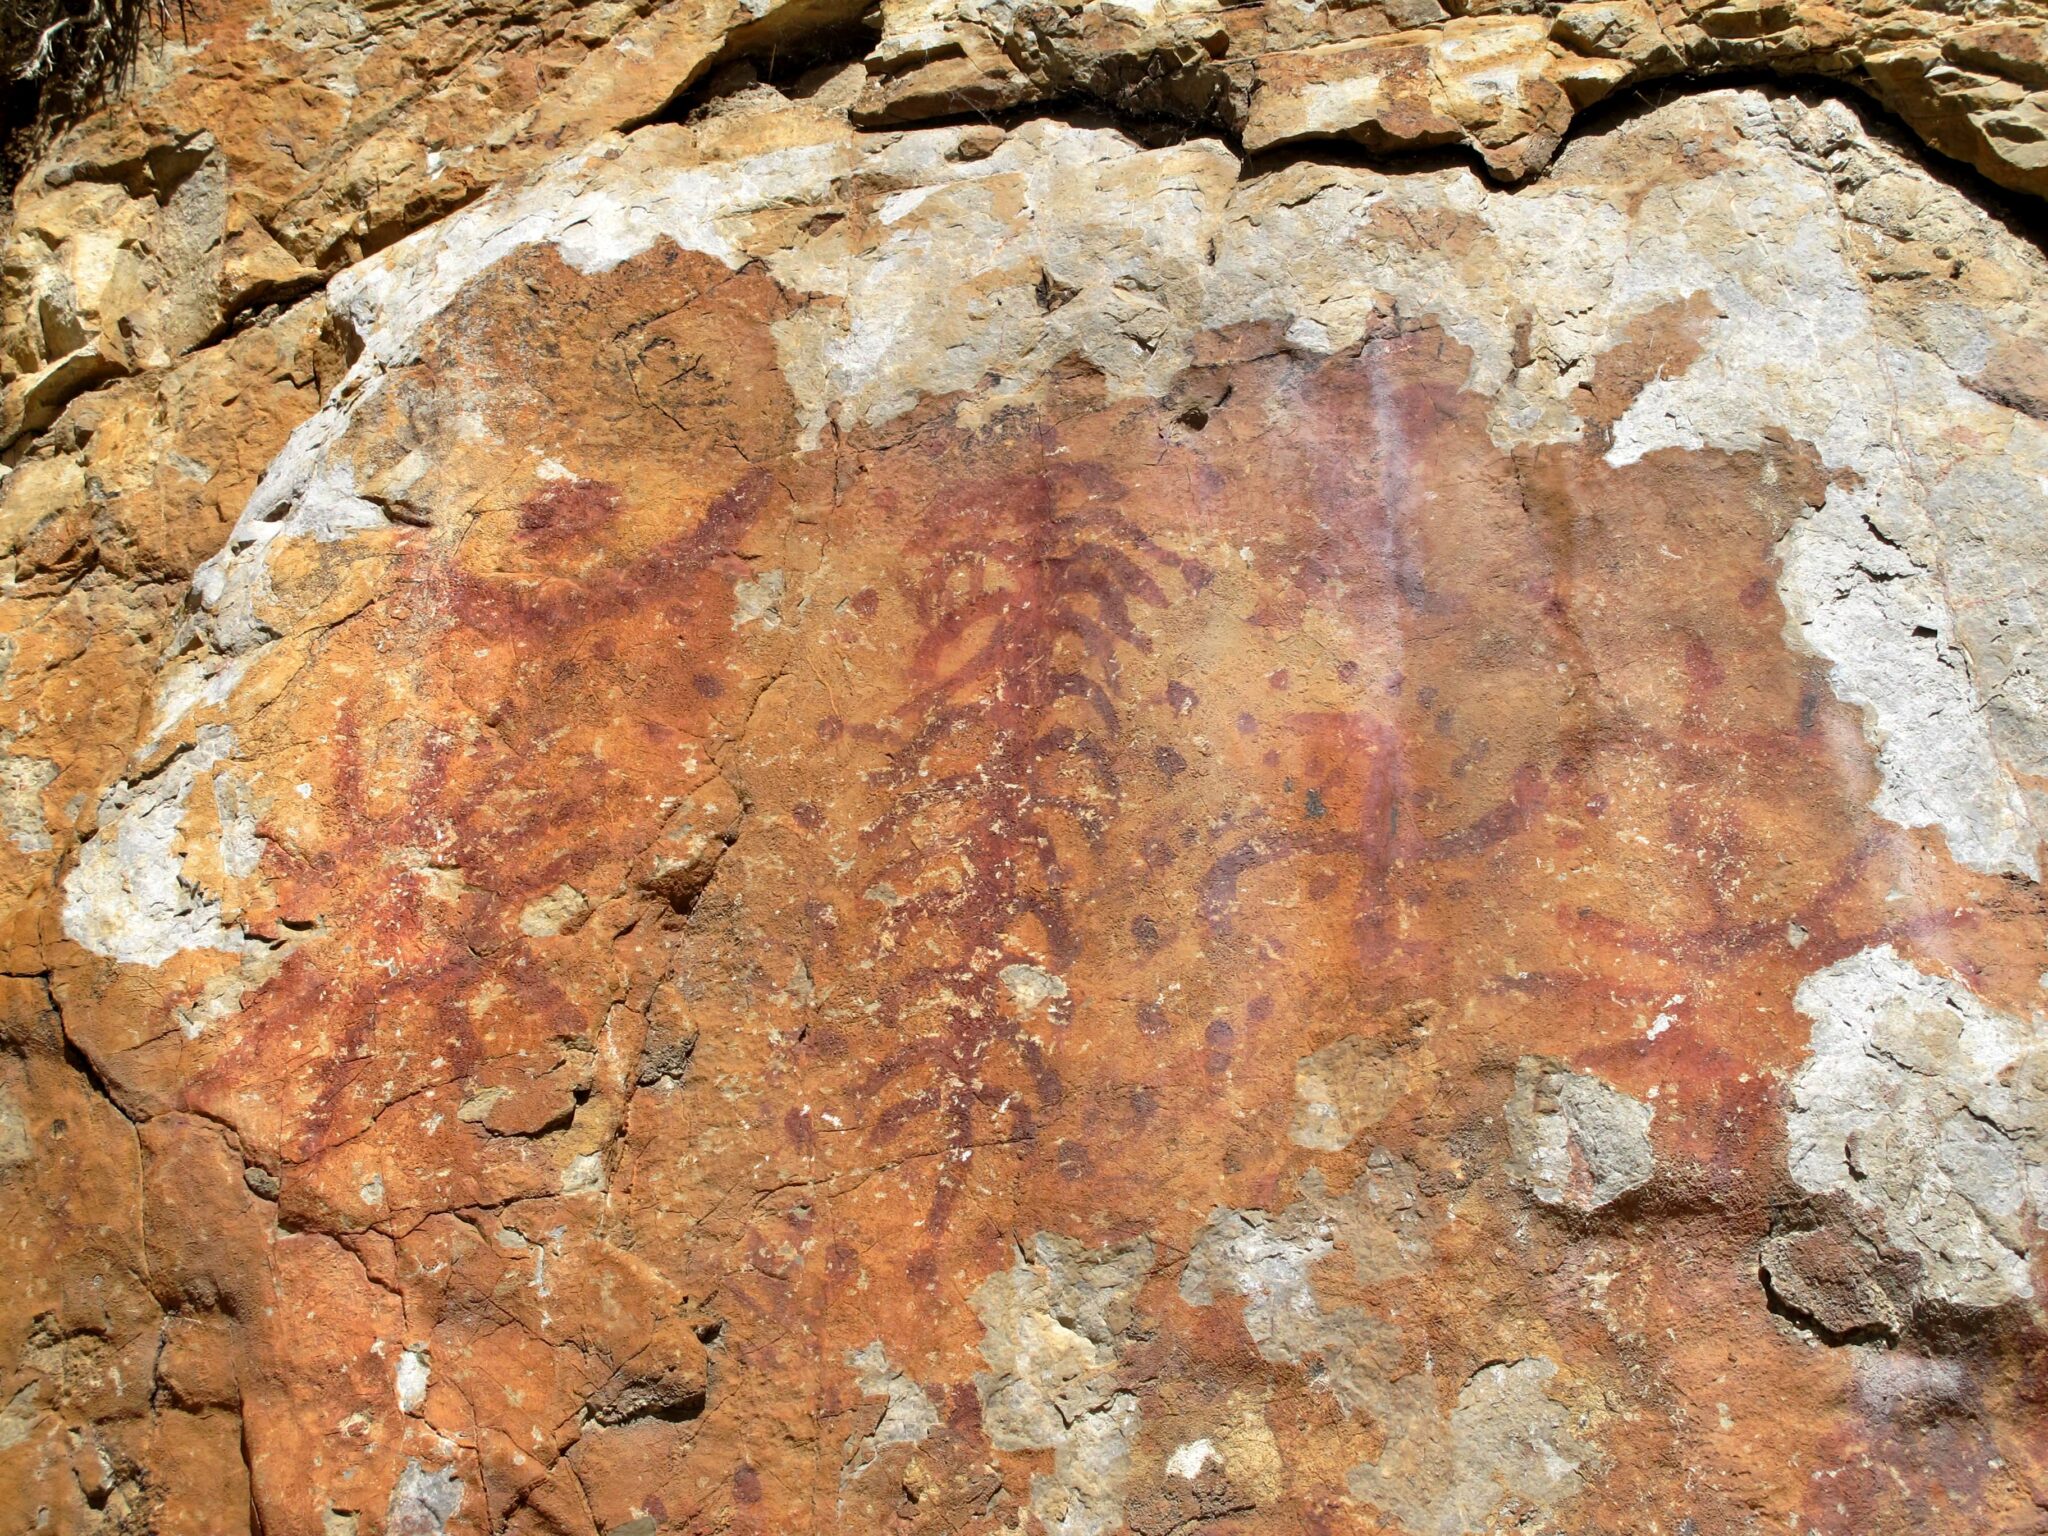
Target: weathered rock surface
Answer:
[[737, 801]]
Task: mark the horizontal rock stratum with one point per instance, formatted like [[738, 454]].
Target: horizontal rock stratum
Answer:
[[1030, 768]]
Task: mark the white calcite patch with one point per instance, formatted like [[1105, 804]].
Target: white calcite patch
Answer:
[[1575, 1139], [1929, 1111], [758, 600], [1266, 1259], [414, 1372], [1031, 986], [908, 1419], [1053, 1325], [236, 808], [22, 782], [128, 897], [1189, 1460], [584, 1173], [1885, 623], [423, 1501], [1126, 236], [16, 1144]]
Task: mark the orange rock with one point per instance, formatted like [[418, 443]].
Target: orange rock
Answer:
[[788, 826]]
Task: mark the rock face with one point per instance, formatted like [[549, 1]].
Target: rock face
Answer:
[[765, 773]]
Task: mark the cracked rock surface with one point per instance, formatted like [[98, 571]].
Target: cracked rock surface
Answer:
[[1029, 767]]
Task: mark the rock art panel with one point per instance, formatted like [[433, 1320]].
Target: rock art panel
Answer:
[[727, 812]]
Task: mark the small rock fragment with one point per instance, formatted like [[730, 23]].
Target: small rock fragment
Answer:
[[1574, 1139]]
